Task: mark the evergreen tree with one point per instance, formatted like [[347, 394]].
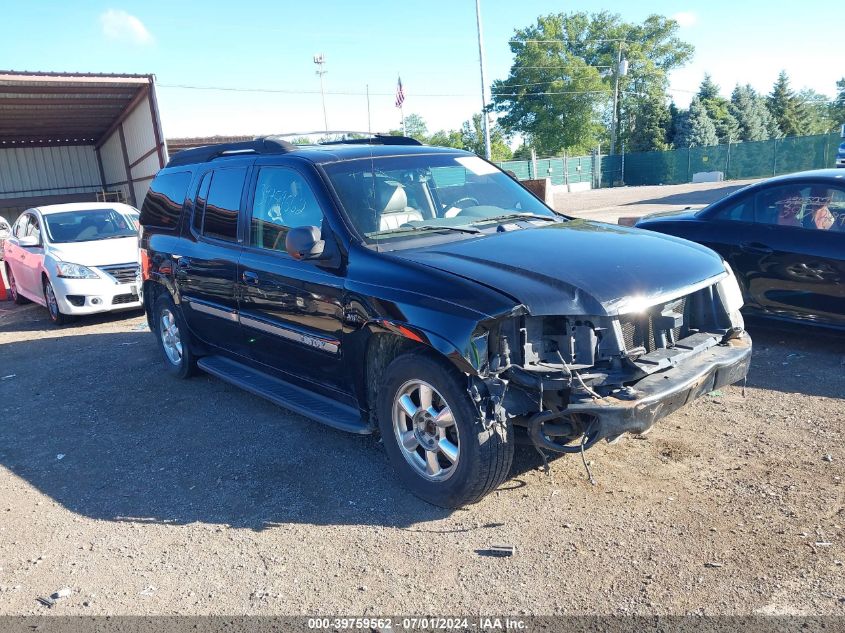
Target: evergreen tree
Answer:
[[650, 123], [675, 116], [718, 109], [837, 109], [750, 113], [695, 128], [786, 108]]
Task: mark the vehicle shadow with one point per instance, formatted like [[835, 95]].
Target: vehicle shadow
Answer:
[[97, 423], [797, 359], [692, 198]]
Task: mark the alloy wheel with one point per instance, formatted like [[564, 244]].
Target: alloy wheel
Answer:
[[425, 430], [171, 339]]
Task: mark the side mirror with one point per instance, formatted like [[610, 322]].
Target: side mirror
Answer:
[[28, 241], [303, 242]]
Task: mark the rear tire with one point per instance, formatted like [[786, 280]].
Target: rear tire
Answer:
[[173, 338], [13, 288], [56, 315], [433, 434]]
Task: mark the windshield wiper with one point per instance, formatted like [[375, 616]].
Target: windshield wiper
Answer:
[[427, 227], [520, 216]]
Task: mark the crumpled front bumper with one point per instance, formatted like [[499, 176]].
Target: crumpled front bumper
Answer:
[[660, 394]]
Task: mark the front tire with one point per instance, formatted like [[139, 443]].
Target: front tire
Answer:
[[56, 315], [173, 338], [433, 434]]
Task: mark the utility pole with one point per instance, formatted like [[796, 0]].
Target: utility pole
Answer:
[[320, 61], [621, 70], [369, 124], [485, 121]]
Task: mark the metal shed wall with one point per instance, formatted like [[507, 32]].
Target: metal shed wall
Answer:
[[33, 175]]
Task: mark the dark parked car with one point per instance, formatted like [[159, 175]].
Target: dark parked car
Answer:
[[784, 239], [380, 285]]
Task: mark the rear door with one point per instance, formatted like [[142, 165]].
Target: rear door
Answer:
[[206, 269], [291, 311]]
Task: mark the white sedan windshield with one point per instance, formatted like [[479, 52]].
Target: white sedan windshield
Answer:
[[88, 225]]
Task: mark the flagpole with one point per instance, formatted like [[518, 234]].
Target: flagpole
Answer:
[[402, 113]]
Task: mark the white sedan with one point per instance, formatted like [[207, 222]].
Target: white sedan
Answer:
[[75, 259]]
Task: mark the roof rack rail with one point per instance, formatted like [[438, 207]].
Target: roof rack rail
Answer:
[[376, 139], [210, 152]]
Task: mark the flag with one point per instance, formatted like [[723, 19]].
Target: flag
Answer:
[[400, 93]]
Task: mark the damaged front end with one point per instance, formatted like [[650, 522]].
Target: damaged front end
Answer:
[[572, 380]]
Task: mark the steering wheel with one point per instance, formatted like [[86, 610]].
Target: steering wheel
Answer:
[[474, 201]]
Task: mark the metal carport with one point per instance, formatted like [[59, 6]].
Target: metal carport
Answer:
[[71, 137]]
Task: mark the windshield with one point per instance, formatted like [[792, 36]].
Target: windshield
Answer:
[[88, 226], [402, 197]]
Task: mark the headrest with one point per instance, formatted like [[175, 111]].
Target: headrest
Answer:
[[392, 198]]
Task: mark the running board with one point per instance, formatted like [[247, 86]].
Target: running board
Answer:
[[284, 394]]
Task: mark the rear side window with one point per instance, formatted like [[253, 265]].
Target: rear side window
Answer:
[[164, 200], [220, 209]]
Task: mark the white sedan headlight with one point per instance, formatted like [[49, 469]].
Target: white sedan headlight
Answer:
[[74, 271]]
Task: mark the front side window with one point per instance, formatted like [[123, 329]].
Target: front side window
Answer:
[[19, 229], [400, 196], [283, 200], [89, 225], [220, 220]]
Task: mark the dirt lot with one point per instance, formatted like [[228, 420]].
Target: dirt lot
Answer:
[[146, 495]]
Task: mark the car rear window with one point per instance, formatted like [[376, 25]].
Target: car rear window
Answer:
[[164, 200]]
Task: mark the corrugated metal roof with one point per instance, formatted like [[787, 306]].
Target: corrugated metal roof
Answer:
[[42, 108]]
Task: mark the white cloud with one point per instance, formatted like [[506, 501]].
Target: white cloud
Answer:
[[685, 18], [120, 25]]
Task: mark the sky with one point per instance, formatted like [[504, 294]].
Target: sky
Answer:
[[262, 52]]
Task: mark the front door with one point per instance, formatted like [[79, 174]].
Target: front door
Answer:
[[800, 233], [26, 261], [290, 311], [206, 269]]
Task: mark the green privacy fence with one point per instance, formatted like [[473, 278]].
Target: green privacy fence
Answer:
[[561, 171], [754, 159]]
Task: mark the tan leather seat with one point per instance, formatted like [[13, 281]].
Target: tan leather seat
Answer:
[[394, 208]]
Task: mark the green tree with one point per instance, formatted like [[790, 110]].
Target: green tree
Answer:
[[837, 108], [558, 91], [695, 129], [415, 127], [472, 138], [818, 112], [787, 109], [446, 138], [751, 114], [650, 124], [718, 109]]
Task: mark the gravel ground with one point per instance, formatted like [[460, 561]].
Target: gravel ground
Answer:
[[147, 495]]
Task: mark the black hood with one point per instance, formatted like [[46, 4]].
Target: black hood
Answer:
[[576, 267]]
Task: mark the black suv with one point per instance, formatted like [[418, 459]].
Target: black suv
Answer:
[[380, 285]]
